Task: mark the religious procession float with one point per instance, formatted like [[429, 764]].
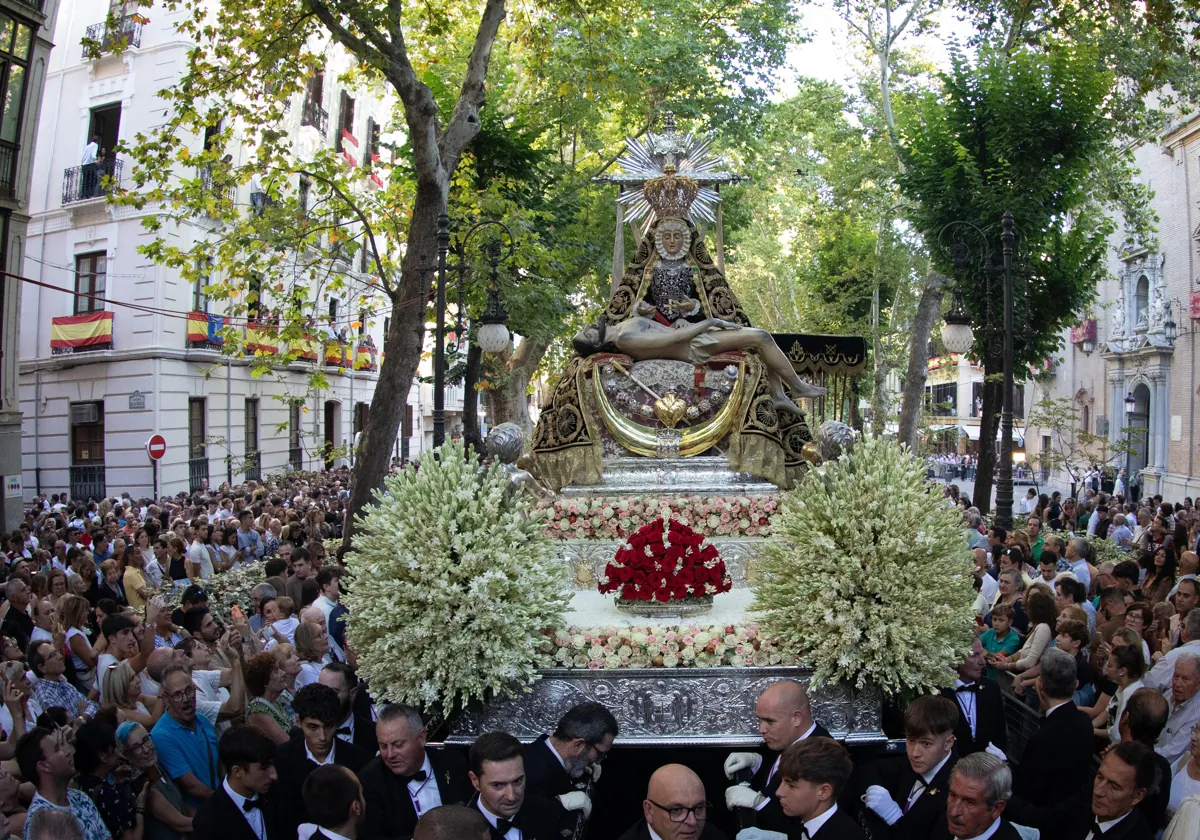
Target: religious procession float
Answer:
[[690, 521]]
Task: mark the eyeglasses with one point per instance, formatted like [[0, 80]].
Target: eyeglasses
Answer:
[[599, 753], [678, 813], [190, 691], [140, 746]]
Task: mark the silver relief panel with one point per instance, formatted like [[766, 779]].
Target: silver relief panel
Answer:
[[659, 707]]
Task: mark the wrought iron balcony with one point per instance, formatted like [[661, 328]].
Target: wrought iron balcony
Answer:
[[8, 165], [88, 481], [316, 116], [212, 185], [197, 474], [127, 33], [296, 458], [81, 183], [253, 466]]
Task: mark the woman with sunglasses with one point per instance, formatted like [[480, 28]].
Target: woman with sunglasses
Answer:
[[168, 817]]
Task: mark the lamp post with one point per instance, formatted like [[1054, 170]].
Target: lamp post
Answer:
[[493, 335], [966, 244], [1130, 406]]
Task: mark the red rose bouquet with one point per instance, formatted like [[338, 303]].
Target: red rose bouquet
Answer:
[[665, 561]]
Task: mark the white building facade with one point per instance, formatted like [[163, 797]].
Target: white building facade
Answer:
[[115, 349]]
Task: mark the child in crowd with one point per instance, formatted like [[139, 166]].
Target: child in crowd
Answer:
[[285, 627], [1000, 637]]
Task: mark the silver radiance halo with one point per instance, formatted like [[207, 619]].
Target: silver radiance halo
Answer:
[[692, 157]]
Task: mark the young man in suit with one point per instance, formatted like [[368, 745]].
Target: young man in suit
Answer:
[[318, 713], [406, 781], [336, 803], [240, 809], [558, 765], [357, 725], [498, 775], [981, 720], [1124, 777], [784, 717], [908, 794], [980, 787], [675, 808], [814, 771], [1057, 762]]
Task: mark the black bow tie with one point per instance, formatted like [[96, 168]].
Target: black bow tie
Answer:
[[503, 825], [971, 687], [419, 776], [251, 804], [345, 730]]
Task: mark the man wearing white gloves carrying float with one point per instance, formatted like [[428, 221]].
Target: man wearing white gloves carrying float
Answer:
[[557, 765], [784, 717]]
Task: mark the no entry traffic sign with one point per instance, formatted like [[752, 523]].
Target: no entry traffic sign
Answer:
[[156, 447]]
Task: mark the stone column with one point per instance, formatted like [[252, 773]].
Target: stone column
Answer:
[[1116, 407]]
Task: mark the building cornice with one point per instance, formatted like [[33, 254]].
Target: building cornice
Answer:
[[205, 357]]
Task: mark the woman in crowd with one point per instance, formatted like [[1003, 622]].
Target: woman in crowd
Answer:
[[142, 545], [72, 615], [1011, 588], [1042, 618], [112, 587], [10, 803], [312, 644], [167, 816], [16, 682], [1125, 668], [1161, 568], [56, 581], [265, 682], [10, 651], [177, 562], [137, 589], [122, 690], [1139, 618], [273, 538], [231, 555], [51, 687], [289, 663], [96, 762]]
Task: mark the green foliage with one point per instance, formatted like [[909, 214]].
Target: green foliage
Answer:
[[1019, 132], [1074, 449], [867, 575], [452, 584]]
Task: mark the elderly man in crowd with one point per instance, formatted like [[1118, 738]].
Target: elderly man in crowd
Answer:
[[1176, 737], [558, 765], [1159, 677], [980, 787]]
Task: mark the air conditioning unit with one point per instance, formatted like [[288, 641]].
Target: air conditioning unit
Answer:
[[84, 413]]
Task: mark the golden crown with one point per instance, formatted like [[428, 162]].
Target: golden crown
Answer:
[[671, 195]]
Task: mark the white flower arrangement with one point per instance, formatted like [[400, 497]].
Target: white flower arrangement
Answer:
[[1100, 549], [451, 586], [225, 589], [867, 577], [669, 646]]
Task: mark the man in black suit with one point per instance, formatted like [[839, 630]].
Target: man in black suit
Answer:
[[406, 780], [336, 802], [240, 808], [498, 775], [1143, 720], [1057, 762], [814, 772], [784, 717], [907, 794], [453, 822], [557, 766], [982, 712], [357, 725], [675, 808], [980, 787], [1125, 774], [318, 713]]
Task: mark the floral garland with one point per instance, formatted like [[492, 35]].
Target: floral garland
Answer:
[[617, 518], [1100, 549], [683, 646], [225, 589], [649, 567]]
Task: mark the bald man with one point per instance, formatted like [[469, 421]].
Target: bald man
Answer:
[[675, 808], [452, 822], [784, 717]]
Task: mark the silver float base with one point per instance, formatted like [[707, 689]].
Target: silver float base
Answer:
[[703, 474]]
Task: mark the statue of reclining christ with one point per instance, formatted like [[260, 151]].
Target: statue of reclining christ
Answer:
[[642, 338]]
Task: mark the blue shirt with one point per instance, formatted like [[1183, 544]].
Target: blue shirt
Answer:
[[251, 545], [183, 750], [79, 804]]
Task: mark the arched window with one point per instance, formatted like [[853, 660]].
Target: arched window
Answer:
[[1141, 302], [1085, 418]]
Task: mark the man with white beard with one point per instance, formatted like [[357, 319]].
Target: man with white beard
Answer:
[[557, 765]]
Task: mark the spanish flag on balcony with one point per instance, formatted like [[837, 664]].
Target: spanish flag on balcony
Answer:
[[304, 349], [365, 358], [91, 330], [336, 354], [262, 339], [205, 327]]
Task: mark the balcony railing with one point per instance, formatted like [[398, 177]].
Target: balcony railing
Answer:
[[253, 466], [211, 184], [88, 181], [88, 482], [296, 458], [197, 474], [316, 116], [8, 161], [127, 32]]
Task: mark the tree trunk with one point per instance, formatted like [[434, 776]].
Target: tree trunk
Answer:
[[928, 309], [508, 401], [989, 423], [470, 413]]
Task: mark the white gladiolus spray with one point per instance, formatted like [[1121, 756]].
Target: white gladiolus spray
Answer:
[[450, 586], [868, 577]]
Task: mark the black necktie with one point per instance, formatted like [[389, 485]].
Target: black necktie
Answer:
[[1096, 832], [804, 832], [251, 804], [419, 776], [972, 687]]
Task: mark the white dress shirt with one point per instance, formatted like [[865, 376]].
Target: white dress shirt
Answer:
[[513, 833], [775, 766], [814, 825], [992, 829], [348, 724], [922, 783], [1107, 825], [254, 816], [968, 701], [425, 795], [328, 756]]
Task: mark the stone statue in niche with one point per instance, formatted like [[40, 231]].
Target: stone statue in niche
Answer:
[[1160, 309], [1118, 318]]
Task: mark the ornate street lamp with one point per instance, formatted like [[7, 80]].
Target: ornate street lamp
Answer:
[[1170, 330], [957, 335], [1130, 403], [1088, 346]]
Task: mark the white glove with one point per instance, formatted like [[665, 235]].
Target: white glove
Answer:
[[880, 801], [996, 751], [742, 796], [742, 761], [759, 834], [595, 768], [577, 800]]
